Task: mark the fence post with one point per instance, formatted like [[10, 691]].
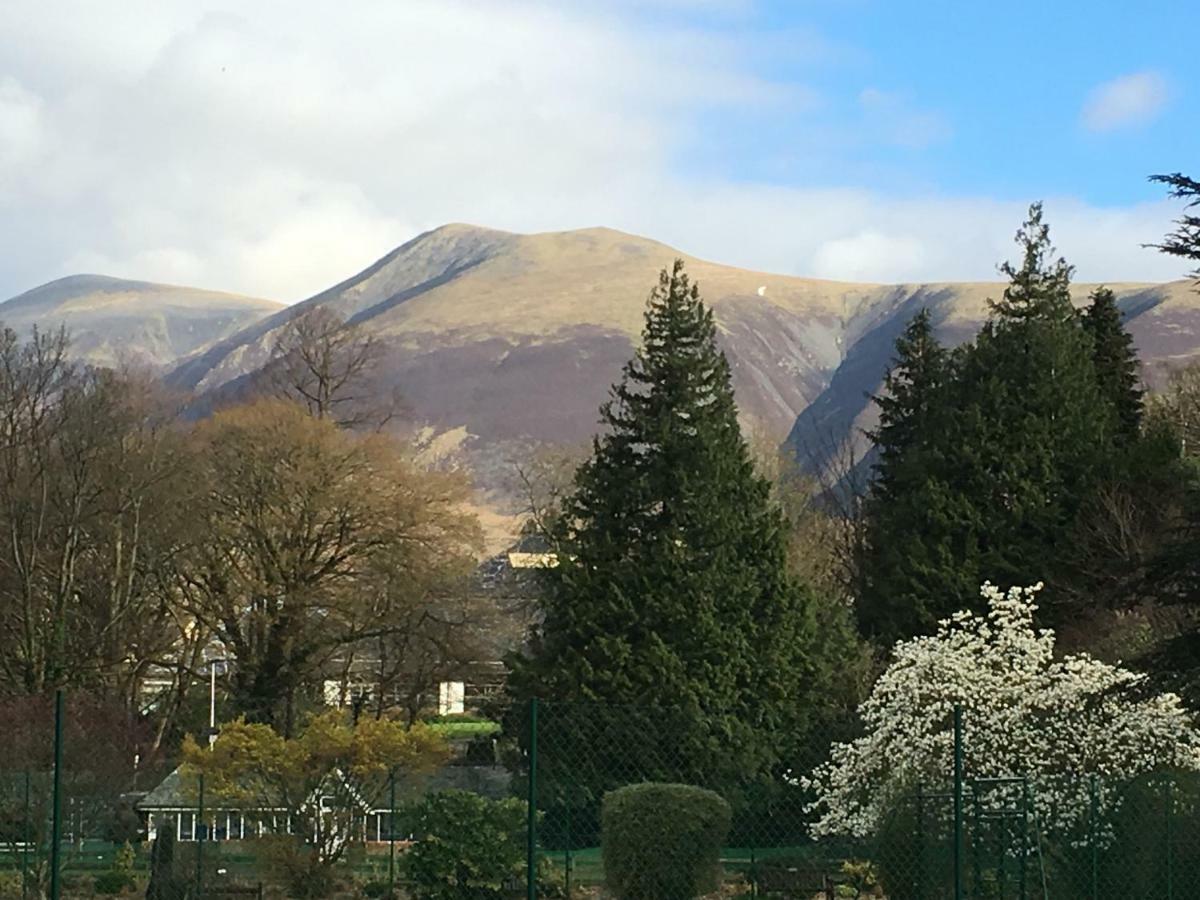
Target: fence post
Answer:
[[199, 833], [1025, 803], [1169, 804], [567, 867], [392, 834], [56, 811], [920, 839], [25, 838], [958, 803], [531, 822], [1094, 804], [976, 841]]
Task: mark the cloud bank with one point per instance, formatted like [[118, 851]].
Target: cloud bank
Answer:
[[275, 148]]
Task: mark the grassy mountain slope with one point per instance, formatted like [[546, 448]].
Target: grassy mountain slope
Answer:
[[113, 320]]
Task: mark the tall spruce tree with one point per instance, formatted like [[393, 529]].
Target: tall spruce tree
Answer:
[[1035, 433], [905, 510], [1116, 363], [674, 643], [1007, 451]]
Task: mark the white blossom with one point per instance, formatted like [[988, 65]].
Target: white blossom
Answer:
[[1025, 715]]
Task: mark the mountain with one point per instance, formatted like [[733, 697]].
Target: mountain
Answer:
[[518, 337], [1163, 319], [503, 340], [113, 321]]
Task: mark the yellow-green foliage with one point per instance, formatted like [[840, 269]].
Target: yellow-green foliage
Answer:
[[251, 767], [249, 759]]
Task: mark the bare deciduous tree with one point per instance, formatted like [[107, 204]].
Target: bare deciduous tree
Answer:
[[330, 367], [302, 524]]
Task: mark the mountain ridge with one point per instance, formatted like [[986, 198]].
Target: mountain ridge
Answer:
[[116, 320], [501, 342], [515, 338]]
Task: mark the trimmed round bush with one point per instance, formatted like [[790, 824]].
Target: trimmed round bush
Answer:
[[662, 841], [111, 883]]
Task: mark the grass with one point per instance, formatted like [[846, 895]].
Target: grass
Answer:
[[587, 866], [464, 729]]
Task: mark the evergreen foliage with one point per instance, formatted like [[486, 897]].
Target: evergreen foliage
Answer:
[[906, 509], [468, 846], [663, 841], [672, 590], [1116, 363], [987, 455], [1184, 242]]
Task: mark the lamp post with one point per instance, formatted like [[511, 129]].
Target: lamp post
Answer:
[[201, 828], [212, 699]]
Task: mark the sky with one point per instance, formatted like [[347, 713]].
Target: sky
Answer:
[[274, 148]]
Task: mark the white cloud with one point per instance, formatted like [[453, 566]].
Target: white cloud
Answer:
[[1125, 102], [20, 125], [275, 148]]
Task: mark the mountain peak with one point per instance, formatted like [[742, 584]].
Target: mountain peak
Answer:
[[114, 319]]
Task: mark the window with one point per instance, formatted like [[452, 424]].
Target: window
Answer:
[[187, 826]]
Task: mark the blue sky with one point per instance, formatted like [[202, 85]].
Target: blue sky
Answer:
[[998, 89], [275, 148]]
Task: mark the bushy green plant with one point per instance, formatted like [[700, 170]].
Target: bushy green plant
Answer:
[[299, 866], [119, 878], [861, 878], [376, 889], [113, 882], [467, 846], [125, 859], [10, 886], [662, 841]]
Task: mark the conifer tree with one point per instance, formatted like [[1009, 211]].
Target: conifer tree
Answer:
[[1116, 363], [1035, 434], [901, 509], [671, 607], [984, 478], [1184, 242]]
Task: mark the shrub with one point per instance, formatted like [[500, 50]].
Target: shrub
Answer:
[[466, 845], [113, 882], [1028, 710], [376, 889], [662, 841], [10, 886], [125, 859], [298, 866]]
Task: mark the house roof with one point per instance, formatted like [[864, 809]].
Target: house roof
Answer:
[[168, 794]]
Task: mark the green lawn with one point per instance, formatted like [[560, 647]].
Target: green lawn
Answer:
[[587, 868], [461, 730]]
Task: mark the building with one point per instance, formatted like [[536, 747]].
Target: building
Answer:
[[173, 804]]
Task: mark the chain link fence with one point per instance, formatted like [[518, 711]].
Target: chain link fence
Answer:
[[955, 835], [596, 801]]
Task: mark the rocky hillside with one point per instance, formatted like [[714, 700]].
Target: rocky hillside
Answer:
[[500, 340], [518, 336], [114, 321], [1164, 320]]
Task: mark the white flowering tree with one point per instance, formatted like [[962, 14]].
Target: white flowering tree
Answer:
[[1026, 715]]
